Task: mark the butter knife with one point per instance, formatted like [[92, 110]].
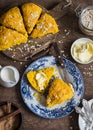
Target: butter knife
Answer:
[[59, 55], [60, 59]]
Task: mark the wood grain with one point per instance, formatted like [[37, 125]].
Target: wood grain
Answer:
[[67, 23]]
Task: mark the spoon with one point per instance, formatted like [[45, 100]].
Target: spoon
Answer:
[[83, 115], [90, 127], [92, 107], [92, 110], [86, 108]]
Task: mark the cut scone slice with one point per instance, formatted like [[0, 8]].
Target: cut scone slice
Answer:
[[45, 25], [13, 20], [9, 38], [59, 92], [39, 79], [31, 14]]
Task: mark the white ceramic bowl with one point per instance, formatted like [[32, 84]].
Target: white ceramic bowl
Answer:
[[79, 41], [82, 124]]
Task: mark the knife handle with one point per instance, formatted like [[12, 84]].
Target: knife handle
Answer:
[[58, 55], [60, 60]]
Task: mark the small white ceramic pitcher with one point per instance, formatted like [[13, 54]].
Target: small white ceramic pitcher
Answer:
[[9, 76]]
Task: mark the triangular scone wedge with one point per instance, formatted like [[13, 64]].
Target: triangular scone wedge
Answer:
[[9, 38], [45, 25], [13, 20], [59, 92], [39, 79], [31, 14]]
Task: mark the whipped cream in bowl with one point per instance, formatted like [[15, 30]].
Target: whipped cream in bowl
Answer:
[[82, 50]]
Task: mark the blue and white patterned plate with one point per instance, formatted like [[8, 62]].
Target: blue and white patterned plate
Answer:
[[60, 110]]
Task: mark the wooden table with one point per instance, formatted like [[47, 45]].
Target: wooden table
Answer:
[[69, 31]]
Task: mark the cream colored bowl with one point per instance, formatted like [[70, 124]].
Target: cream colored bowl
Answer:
[[82, 50]]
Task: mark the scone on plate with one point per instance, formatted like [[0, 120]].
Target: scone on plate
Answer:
[[39, 79], [31, 14], [45, 25], [9, 38], [13, 19], [59, 92]]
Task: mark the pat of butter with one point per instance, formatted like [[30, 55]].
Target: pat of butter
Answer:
[[83, 51], [71, 87], [41, 78]]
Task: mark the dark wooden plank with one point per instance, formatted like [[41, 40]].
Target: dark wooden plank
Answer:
[[34, 46]]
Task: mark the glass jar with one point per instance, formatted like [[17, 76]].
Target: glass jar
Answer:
[[86, 20]]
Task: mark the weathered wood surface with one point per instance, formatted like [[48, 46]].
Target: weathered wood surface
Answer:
[[33, 46], [69, 31]]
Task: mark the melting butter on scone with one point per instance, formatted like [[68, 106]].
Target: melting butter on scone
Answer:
[[13, 20], [59, 92], [45, 25], [9, 38], [31, 14], [39, 79]]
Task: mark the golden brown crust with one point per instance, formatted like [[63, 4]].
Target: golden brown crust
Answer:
[[59, 92], [9, 38], [45, 25], [31, 14], [31, 76], [13, 19]]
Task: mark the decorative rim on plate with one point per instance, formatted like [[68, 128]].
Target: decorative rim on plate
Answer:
[[60, 110]]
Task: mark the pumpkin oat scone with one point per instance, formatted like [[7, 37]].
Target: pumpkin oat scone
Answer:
[[13, 19], [59, 92], [45, 25], [31, 14], [9, 38], [39, 79]]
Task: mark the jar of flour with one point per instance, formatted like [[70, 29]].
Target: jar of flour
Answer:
[[86, 20]]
